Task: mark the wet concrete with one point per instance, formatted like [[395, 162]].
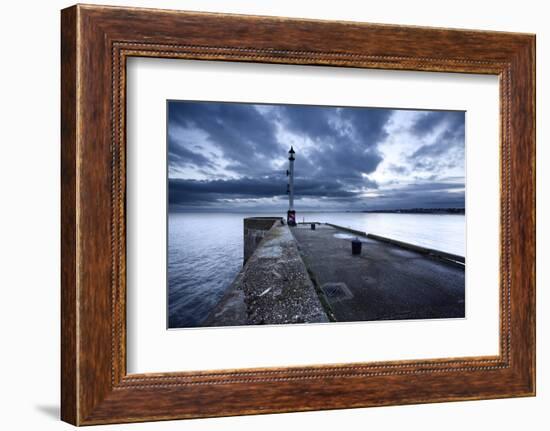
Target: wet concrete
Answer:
[[385, 282], [272, 288]]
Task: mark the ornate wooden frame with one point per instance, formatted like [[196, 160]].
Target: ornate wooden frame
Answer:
[[95, 43]]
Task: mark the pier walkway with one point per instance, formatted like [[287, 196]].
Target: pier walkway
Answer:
[[386, 281]]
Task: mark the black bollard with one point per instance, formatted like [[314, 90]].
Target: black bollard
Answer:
[[356, 246], [312, 226]]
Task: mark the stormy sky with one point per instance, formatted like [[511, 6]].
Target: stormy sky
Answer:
[[234, 156]]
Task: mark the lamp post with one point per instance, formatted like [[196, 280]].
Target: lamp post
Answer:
[[291, 214]]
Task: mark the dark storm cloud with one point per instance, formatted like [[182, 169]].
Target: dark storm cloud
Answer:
[[245, 136], [348, 138], [216, 194], [181, 156], [448, 149], [193, 192], [241, 150], [311, 121], [368, 124], [182, 190], [430, 120]]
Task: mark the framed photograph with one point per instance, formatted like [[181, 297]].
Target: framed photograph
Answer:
[[264, 214]]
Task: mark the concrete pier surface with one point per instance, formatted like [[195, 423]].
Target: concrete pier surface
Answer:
[[273, 287], [385, 282]]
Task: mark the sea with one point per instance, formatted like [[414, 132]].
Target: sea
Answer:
[[205, 250]]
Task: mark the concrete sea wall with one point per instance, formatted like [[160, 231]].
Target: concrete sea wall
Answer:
[[273, 287], [255, 228]]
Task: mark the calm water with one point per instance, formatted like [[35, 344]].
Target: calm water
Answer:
[[205, 250]]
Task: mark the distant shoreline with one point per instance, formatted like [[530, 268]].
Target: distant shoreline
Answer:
[[459, 211], [418, 211]]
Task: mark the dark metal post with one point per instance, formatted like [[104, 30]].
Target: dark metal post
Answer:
[[356, 246]]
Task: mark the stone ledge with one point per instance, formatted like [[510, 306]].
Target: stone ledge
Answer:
[[272, 288]]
